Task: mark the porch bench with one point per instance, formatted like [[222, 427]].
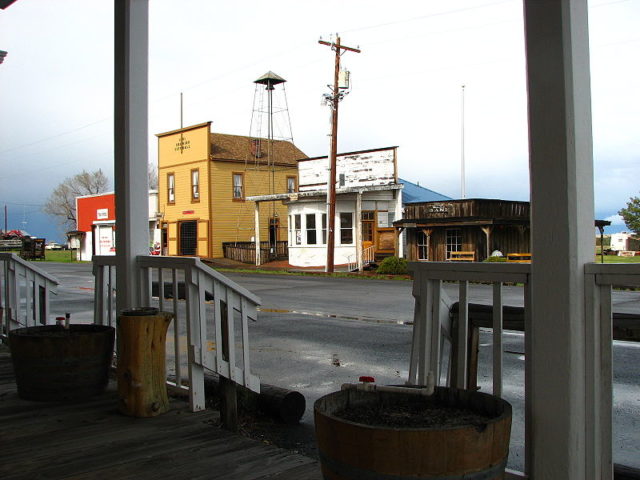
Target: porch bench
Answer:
[[462, 256]]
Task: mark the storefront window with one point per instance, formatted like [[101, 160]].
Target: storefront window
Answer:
[[297, 229], [346, 228], [422, 243], [454, 241], [311, 229]]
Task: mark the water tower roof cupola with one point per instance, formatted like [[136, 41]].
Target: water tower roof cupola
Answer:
[[270, 79]]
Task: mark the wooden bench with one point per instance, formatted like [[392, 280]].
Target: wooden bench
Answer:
[[462, 256], [519, 257]]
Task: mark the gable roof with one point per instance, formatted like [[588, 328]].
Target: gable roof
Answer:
[[413, 193], [238, 148]]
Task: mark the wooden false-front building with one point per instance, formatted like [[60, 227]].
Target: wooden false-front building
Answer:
[[436, 230]]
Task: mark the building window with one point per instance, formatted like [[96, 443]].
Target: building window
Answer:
[[195, 184], [422, 242], [171, 188], [346, 228], [297, 229], [324, 228], [291, 184], [238, 186], [312, 237], [454, 241]]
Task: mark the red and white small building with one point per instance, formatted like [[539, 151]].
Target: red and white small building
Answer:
[[96, 225]]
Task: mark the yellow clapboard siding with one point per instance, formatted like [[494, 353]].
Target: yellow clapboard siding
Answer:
[[220, 218], [234, 220]]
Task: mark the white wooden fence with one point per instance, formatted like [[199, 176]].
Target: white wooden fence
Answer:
[[206, 307], [25, 292], [432, 329]]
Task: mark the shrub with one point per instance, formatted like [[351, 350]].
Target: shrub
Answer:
[[393, 266], [496, 259]]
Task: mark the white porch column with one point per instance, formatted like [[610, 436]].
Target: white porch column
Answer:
[[398, 216], [257, 233], [131, 19], [358, 221], [561, 167]]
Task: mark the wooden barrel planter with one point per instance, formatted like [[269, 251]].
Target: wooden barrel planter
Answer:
[[52, 363], [356, 440]]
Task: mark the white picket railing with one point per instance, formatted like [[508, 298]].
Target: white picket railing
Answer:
[[368, 257], [433, 327], [600, 280], [206, 306], [25, 292]]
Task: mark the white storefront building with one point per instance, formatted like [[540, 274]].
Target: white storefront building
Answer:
[[368, 200]]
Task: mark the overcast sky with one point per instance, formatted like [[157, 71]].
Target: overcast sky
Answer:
[[56, 88]]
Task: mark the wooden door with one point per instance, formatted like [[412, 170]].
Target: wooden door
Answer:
[[368, 228]]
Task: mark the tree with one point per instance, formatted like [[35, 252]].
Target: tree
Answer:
[[631, 215], [62, 201], [152, 173]]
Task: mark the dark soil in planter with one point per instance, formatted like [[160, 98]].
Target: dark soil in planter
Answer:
[[414, 415]]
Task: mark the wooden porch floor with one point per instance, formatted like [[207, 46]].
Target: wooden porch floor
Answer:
[[91, 440]]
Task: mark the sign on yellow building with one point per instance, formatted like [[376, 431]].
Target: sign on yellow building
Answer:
[[204, 179]]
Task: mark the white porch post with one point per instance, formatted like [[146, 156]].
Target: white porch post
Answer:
[[257, 233], [131, 19], [358, 221], [560, 145], [398, 216]]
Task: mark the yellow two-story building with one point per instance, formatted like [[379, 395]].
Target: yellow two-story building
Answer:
[[203, 180]]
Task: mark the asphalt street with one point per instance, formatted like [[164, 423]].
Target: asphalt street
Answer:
[[315, 333]]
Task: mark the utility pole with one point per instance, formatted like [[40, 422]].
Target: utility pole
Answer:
[[334, 100]]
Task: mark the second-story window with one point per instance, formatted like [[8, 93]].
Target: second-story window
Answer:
[[238, 186], [195, 184], [291, 184], [171, 188]]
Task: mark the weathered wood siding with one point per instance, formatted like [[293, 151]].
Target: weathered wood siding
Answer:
[[468, 209], [360, 169], [507, 220]]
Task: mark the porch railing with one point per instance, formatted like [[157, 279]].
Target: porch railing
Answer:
[[245, 252], [368, 257], [600, 280], [433, 329], [25, 292], [211, 315]]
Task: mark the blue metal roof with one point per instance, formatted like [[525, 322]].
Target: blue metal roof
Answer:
[[412, 193]]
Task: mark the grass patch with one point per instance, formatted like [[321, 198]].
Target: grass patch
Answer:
[[61, 256], [616, 259]]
